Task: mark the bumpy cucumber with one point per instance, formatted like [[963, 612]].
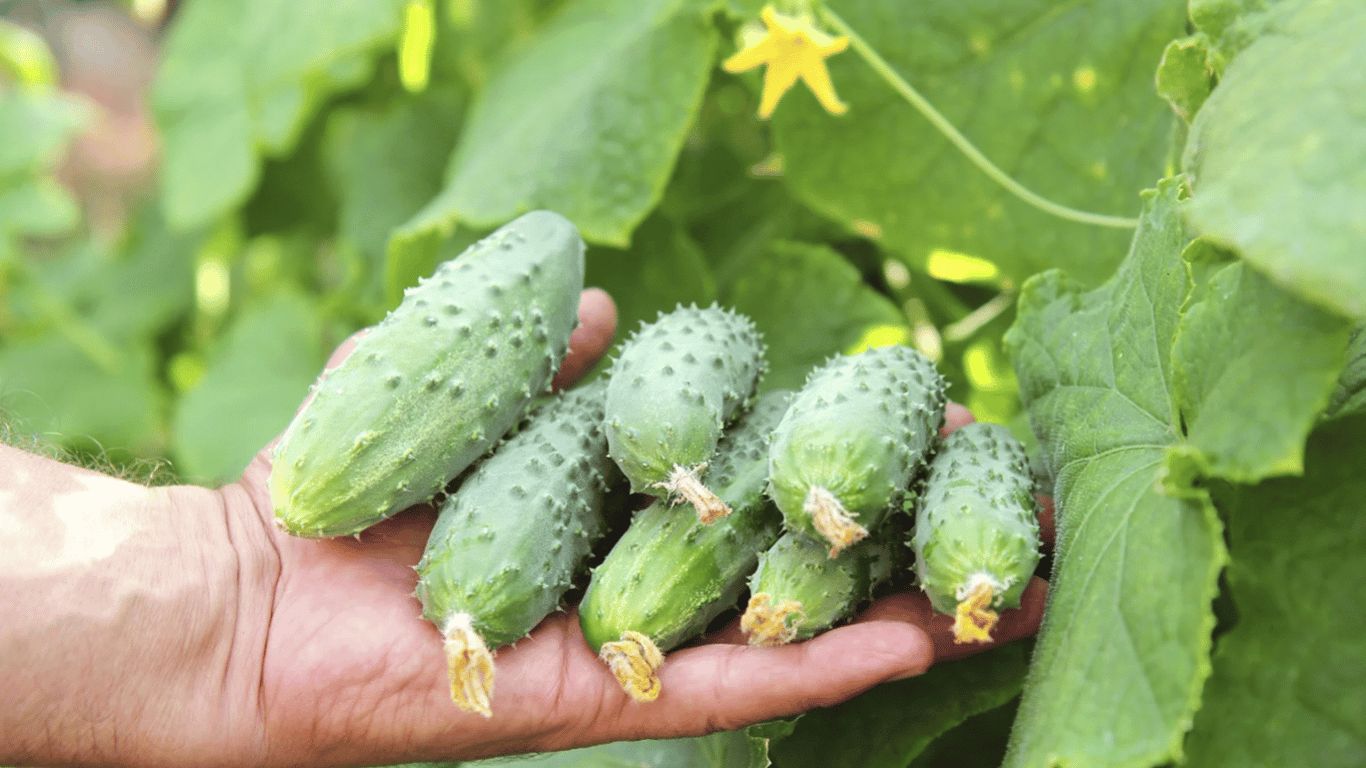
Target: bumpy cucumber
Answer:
[[673, 388], [855, 434], [434, 385], [976, 530], [508, 542], [799, 590], [670, 574]]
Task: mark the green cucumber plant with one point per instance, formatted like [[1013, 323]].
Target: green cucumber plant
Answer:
[[963, 178]]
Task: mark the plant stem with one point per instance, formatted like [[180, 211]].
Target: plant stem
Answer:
[[942, 124]]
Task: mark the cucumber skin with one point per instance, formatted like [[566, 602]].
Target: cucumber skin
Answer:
[[797, 568], [508, 543], [435, 384], [977, 514], [670, 575], [675, 385], [861, 426]]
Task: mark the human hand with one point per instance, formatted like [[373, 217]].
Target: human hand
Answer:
[[240, 644]]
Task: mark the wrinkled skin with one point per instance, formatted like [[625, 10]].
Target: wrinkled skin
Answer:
[[178, 626]]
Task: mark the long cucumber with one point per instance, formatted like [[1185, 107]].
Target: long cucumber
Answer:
[[433, 386], [508, 542]]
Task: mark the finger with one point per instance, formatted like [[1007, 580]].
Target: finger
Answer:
[[590, 340], [914, 608], [1048, 527], [719, 686], [955, 417]]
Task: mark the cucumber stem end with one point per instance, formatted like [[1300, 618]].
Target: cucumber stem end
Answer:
[[469, 666], [973, 619], [684, 483], [634, 660], [767, 622], [832, 520]]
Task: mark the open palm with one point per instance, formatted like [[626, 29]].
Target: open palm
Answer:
[[350, 673]]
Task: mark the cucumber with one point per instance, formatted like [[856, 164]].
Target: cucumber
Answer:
[[676, 384], [856, 433], [508, 542], [798, 590], [976, 531], [435, 384], [669, 575]]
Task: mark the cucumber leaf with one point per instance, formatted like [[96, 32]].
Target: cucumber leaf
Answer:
[[891, 724], [1349, 396], [1285, 186], [251, 388], [1248, 405], [1059, 95], [662, 269], [586, 120], [1122, 655], [239, 79], [1289, 682], [837, 309]]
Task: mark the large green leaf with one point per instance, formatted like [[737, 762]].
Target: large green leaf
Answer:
[[1349, 395], [1278, 154], [1289, 682], [253, 384], [387, 164], [51, 387], [1255, 366], [892, 723], [586, 120], [238, 80], [1059, 95], [809, 303], [1122, 656], [662, 269], [35, 125]]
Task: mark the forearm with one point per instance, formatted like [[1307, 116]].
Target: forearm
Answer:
[[90, 563]]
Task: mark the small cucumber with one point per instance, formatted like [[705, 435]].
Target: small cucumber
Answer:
[[976, 531], [858, 430], [435, 384], [676, 384], [510, 539], [669, 575], [798, 590]]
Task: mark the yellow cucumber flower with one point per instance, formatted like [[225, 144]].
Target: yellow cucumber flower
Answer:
[[792, 48]]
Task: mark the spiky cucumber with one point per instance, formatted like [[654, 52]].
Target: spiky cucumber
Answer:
[[429, 389], [976, 531], [848, 446], [508, 542], [669, 575], [799, 590], [676, 384]]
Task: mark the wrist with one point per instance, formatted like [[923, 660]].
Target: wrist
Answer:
[[118, 602]]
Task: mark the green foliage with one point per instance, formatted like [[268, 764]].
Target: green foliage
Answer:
[[895, 722], [1287, 682], [1135, 567], [1208, 382], [1059, 94], [1277, 188], [586, 120]]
